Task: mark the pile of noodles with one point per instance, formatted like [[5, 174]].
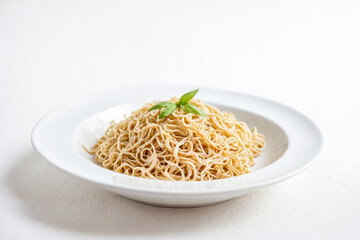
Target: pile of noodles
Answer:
[[181, 147]]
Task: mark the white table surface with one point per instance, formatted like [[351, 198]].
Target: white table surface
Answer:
[[305, 54]]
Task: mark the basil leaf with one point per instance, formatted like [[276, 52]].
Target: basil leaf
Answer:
[[167, 111], [160, 105], [190, 108], [187, 97], [185, 108], [183, 104]]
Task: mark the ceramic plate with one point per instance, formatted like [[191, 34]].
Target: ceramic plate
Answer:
[[292, 143]]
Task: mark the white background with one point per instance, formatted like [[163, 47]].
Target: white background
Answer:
[[305, 54]]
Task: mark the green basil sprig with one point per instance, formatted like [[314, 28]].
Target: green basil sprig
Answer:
[[183, 103]]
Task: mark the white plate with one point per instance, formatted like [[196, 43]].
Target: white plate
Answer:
[[292, 143]]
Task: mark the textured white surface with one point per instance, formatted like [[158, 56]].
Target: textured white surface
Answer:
[[302, 53]]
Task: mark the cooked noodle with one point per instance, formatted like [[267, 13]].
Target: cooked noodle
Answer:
[[181, 147]]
